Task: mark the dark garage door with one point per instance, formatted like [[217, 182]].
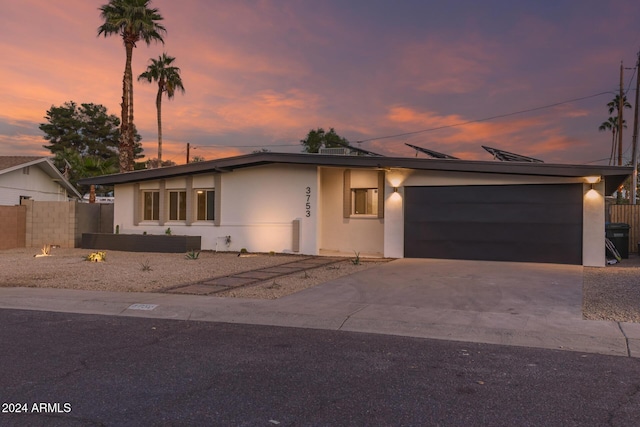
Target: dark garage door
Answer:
[[530, 223]]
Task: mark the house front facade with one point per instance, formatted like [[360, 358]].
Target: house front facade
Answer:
[[378, 206], [32, 178]]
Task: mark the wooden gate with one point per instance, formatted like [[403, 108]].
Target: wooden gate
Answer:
[[628, 214]]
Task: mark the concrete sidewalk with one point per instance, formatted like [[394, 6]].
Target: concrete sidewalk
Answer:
[[532, 305]]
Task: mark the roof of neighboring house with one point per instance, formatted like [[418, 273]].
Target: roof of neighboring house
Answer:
[[613, 175], [12, 163]]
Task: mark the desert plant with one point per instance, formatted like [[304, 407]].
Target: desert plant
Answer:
[[192, 254], [274, 285], [244, 251], [144, 233], [272, 253], [99, 256], [45, 251], [168, 231], [356, 260], [117, 229], [145, 265]]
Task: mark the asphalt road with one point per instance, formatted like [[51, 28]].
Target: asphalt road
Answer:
[[84, 370]]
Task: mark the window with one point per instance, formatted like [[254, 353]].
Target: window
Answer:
[[151, 207], [364, 201], [205, 202], [177, 205]]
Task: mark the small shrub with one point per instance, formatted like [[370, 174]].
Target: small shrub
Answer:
[[272, 253], [356, 260], [244, 251], [193, 255], [274, 285], [144, 233], [117, 229], [227, 240], [145, 266], [97, 256], [168, 231]]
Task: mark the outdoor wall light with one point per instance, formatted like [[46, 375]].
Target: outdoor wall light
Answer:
[[395, 189], [592, 180]]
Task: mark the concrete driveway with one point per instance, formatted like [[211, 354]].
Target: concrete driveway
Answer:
[[471, 286], [537, 305]]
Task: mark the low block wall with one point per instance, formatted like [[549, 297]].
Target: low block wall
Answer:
[[141, 242]]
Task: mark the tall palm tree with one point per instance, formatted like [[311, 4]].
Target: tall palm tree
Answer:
[[611, 125], [133, 20], [168, 78], [614, 104]]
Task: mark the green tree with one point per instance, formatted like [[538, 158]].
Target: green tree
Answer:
[[84, 139], [133, 20], [76, 166], [318, 138], [168, 78], [86, 129]]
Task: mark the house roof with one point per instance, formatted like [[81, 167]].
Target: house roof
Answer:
[[12, 163], [613, 175]]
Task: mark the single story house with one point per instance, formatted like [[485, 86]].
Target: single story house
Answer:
[[34, 178], [394, 207]]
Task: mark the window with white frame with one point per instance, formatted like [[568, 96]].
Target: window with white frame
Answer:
[[364, 201], [177, 205], [151, 205], [205, 205]]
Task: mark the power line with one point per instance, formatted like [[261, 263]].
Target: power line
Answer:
[[487, 118]]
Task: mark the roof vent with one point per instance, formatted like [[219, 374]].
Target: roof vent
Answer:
[[336, 151]]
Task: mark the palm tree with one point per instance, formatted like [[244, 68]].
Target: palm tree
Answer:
[[612, 125], [168, 78], [133, 20], [614, 104]]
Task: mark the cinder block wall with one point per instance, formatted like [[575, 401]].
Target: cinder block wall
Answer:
[[50, 223], [62, 223], [12, 226]]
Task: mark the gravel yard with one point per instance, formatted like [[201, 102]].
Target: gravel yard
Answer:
[[610, 293], [613, 292], [155, 272]]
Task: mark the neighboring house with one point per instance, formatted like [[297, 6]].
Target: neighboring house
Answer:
[[393, 207], [33, 178]]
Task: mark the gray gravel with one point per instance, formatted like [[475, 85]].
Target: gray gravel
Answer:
[[613, 292]]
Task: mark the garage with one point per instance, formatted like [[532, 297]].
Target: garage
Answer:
[[526, 223]]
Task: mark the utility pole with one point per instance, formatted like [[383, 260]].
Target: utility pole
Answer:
[[634, 155], [188, 147], [620, 119]]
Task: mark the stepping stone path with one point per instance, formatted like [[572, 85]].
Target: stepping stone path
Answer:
[[247, 278]]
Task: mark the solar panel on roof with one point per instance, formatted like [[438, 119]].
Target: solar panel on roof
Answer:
[[506, 156], [432, 153]]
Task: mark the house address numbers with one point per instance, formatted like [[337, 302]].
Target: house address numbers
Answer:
[[307, 194]]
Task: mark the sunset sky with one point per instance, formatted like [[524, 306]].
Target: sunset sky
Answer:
[[261, 74]]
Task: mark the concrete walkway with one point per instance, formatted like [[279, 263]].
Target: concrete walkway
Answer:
[[533, 305]]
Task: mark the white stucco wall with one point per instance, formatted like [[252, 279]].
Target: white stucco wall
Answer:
[[593, 232], [36, 184], [257, 208], [348, 235]]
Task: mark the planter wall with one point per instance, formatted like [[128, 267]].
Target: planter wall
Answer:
[[140, 242]]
